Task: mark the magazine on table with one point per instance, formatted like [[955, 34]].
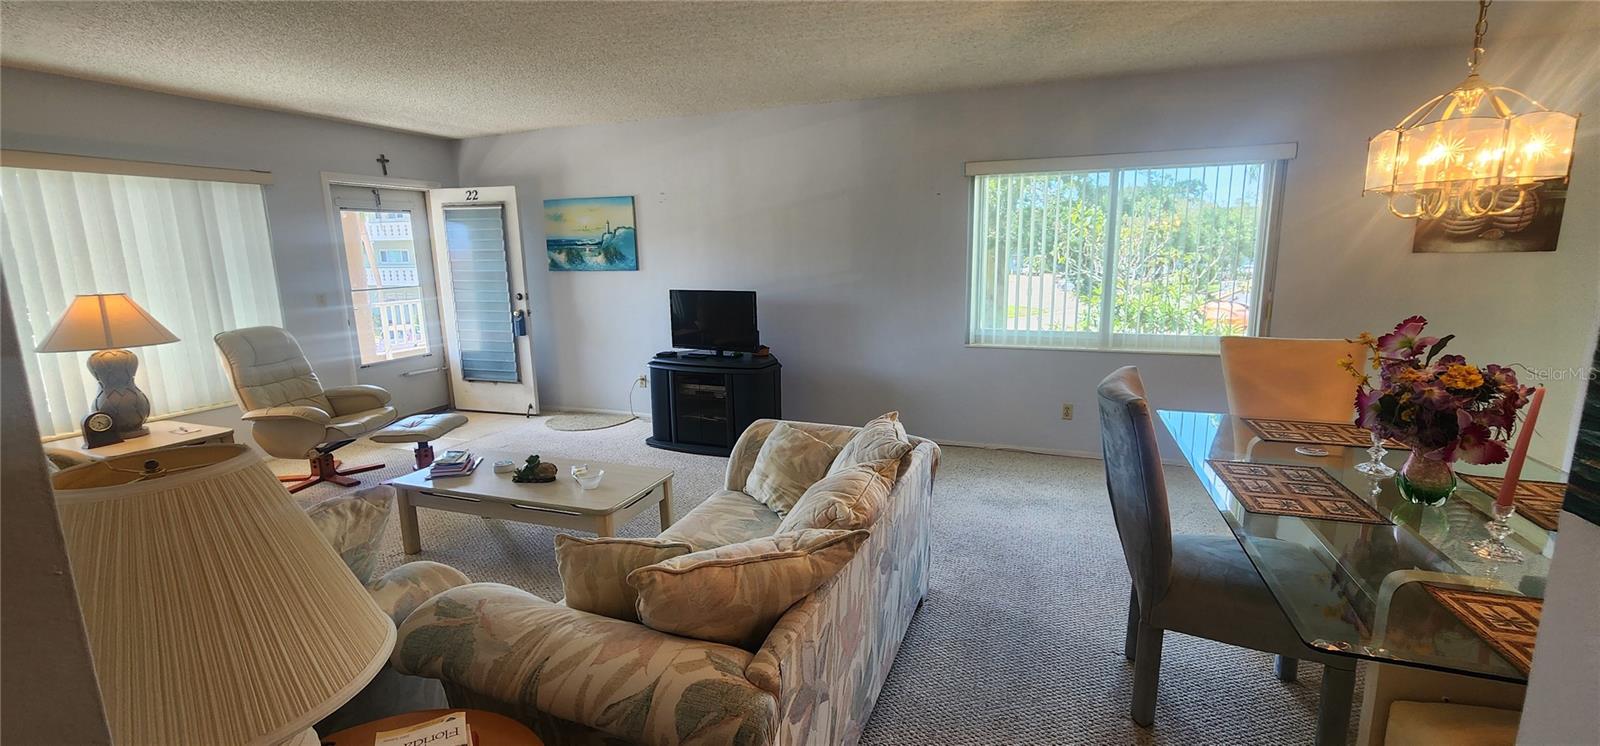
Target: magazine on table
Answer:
[[445, 730]]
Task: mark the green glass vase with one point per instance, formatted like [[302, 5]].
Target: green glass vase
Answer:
[[1426, 481]]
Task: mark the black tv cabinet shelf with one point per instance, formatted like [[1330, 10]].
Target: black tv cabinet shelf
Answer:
[[702, 403]]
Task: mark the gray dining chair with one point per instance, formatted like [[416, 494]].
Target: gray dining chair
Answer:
[[1203, 586]]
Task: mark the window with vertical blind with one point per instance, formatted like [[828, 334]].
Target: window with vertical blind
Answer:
[[194, 253], [1157, 252]]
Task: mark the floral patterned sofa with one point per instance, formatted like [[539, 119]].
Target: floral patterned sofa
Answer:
[[579, 678]]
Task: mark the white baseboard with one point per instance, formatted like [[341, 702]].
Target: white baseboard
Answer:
[[1096, 456], [1020, 449]]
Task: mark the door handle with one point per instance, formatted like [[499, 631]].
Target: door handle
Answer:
[[519, 323]]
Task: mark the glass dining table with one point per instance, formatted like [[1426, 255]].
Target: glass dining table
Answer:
[[1367, 595]]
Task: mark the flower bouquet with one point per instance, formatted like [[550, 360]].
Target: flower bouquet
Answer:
[[1441, 406]]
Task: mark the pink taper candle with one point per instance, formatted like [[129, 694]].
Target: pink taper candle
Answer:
[[1519, 454]]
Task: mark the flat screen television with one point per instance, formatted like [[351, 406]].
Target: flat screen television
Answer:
[[717, 320]]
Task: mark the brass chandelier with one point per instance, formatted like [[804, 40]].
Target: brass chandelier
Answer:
[[1478, 149]]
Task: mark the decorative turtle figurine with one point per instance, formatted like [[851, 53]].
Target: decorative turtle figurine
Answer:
[[535, 471]]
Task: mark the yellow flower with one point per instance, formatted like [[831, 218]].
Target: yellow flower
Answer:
[[1410, 375], [1461, 377], [1348, 363]]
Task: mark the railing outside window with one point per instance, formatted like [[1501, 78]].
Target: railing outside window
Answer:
[[1130, 254]]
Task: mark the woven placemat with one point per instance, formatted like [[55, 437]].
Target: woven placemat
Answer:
[[1540, 502], [1304, 491], [1318, 433], [1508, 623]]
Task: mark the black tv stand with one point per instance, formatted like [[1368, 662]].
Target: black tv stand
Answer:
[[706, 354], [702, 403]]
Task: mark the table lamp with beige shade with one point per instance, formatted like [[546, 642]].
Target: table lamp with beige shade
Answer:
[[216, 612], [107, 323]]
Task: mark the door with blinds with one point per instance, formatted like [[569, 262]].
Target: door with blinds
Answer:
[[483, 299]]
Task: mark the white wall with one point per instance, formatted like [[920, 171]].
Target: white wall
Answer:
[[64, 115], [1564, 685], [850, 221]]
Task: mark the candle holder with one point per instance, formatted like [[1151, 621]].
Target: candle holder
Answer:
[[1495, 548], [1376, 467]]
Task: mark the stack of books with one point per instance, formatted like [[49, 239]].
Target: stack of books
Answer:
[[454, 464]]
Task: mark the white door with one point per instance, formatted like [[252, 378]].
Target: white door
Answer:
[[483, 299], [394, 320]]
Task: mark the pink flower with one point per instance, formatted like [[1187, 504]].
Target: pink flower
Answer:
[[1406, 340], [1367, 407], [1478, 446], [1436, 397]]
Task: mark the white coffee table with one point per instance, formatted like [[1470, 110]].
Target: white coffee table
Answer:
[[625, 492]]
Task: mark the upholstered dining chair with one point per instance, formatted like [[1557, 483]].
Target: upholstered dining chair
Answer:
[[1203, 586], [1292, 379], [290, 414]]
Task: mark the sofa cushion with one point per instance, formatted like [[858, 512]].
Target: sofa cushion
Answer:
[[353, 525], [789, 462], [848, 500], [735, 594], [594, 572], [882, 442], [726, 517]]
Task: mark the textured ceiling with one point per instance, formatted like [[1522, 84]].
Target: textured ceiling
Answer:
[[466, 69]]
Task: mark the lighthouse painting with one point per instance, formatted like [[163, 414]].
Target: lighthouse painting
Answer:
[[590, 234]]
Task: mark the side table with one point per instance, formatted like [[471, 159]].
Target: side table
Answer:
[[488, 729], [163, 433]]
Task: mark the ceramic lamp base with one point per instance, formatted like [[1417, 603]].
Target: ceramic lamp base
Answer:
[[119, 397]]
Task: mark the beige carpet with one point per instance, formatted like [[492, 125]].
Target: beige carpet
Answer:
[[1020, 640]]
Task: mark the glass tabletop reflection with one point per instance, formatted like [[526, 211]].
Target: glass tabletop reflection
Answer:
[[1359, 589]]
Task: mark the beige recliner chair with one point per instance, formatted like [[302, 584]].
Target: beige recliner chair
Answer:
[[291, 415]]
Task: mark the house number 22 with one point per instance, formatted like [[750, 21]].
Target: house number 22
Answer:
[[472, 195]]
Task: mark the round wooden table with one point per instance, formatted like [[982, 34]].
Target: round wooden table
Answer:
[[488, 729]]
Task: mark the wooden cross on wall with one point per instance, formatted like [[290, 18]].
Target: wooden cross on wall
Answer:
[[383, 161]]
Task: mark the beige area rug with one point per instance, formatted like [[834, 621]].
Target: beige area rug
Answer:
[[1020, 639], [579, 421]]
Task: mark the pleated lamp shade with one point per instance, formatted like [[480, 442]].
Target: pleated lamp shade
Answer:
[[216, 612]]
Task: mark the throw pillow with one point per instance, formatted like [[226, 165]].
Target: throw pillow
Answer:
[[594, 572], [789, 462], [735, 594], [882, 442], [849, 500]]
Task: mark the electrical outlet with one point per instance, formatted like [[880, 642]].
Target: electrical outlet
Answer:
[[1066, 411], [643, 382]]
